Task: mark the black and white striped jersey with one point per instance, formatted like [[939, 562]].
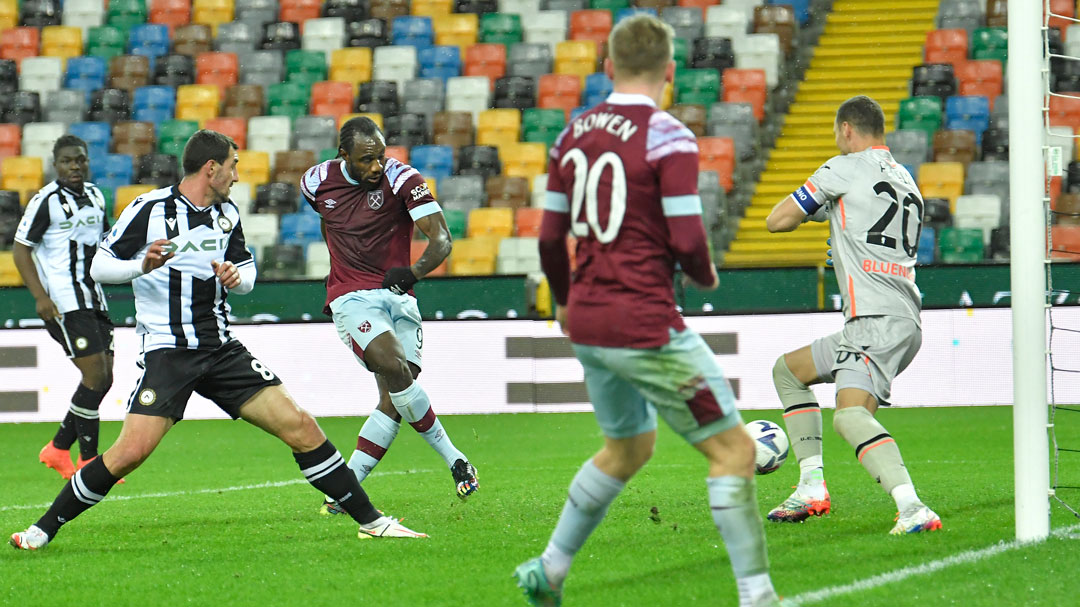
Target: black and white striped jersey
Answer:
[[181, 304], [64, 229]]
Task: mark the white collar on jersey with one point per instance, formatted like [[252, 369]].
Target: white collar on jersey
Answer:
[[345, 173], [629, 99]]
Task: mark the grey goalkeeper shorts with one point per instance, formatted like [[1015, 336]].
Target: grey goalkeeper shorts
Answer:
[[868, 353]]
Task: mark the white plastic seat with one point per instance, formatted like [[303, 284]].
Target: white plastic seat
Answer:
[[260, 231], [41, 74], [979, 211], [760, 51], [269, 134], [326, 34], [546, 26], [84, 14], [395, 63], [724, 21], [525, 8], [468, 94], [539, 191], [518, 256]]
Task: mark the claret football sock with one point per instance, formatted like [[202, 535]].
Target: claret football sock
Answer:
[[89, 486], [874, 447], [378, 432], [325, 469], [591, 492], [415, 407]]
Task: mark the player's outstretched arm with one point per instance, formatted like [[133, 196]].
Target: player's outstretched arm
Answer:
[[439, 243], [785, 216]]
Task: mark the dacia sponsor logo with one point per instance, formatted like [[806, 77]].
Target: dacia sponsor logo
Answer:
[[209, 244], [420, 191], [93, 220]]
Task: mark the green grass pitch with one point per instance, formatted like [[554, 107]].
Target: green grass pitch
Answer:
[[220, 515]]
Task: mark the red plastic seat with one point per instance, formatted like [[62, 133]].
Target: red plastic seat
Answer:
[[10, 140], [331, 99], [718, 154], [222, 69], [746, 86], [981, 77], [299, 11], [947, 46], [561, 91], [1065, 111], [172, 13], [233, 127], [486, 60], [590, 24], [18, 43]]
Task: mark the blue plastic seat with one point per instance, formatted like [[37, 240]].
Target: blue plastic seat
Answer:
[[574, 113], [433, 161], [927, 246], [85, 74], [968, 113], [154, 104], [801, 7], [97, 135], [623, 13], [412, 31], [301, 228], [439, 62], [150, 40], [597, 87], [112, 170]]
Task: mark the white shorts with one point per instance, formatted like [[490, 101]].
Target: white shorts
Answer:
[[868, 353], [361, 316]]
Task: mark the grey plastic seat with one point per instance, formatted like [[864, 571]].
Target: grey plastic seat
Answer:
[[64, 105], [462, 192], [426, 107], [261, 67], [735, 113], [243, 6], [236, 37], [533, 59], [685, 20], [424, 88], [999, 116], [315, 133], [746, 146], [908, 146], [564, 5], [713, 208]]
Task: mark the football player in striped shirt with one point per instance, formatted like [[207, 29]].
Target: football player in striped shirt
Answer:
[[182, 247], [623, 178], [54, 247]]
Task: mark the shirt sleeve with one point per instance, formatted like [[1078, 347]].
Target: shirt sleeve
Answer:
[[129, 235], [311, 180], [237, 251], [417, 197], [828, 183], [35, 221], [554, 226]]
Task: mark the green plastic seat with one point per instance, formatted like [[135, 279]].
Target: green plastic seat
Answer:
[[305, 66], [961, 245], [327, 154], [985, 38], [682, 51], [109, 194], [174, 134], [500, 28], [106, 41], [288, 99], [126, 13], [697, 86], [455, 222], [543, 118], [923, 113], [612, 5]]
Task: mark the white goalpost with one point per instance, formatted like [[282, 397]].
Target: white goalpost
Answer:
[[1027, 229]]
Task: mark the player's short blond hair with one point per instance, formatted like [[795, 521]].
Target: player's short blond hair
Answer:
[[641, 45]]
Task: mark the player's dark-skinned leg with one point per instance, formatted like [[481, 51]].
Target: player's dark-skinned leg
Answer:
[[386, 358], [138, 438], [273, 410], [97, 378]]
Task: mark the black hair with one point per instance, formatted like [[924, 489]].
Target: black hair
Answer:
[[206, 145], [863, 114], [66, 141], [361, 125]]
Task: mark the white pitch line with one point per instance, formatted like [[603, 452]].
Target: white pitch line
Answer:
[[266, 485], [962, 558]]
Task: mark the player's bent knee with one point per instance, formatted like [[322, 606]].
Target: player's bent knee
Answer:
[[783, 377]]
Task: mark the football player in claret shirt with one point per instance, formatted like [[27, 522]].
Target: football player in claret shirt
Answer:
[[875, 212], [369, 204], [623, 178], [54, 247]]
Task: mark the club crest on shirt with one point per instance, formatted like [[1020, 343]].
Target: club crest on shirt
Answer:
[[374, 199], [365, 327], [224, 223]]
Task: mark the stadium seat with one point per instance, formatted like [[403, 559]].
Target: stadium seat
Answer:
[[518, 256], [433, 161], [300, 228], [125, 194], [23, 174], [523, 160], [299, 11], [468, 94], [474, 256], [38, 139], [10, 215], [233, 127], [542, 125], [478, 7], [305, 66], [352, 65], [498, 126], [718, 154], [576, 57], [441, 62], [270, 134], [97, 135], [134, 138], [324, 35], [112, 170], [129, 72], [567, 6], [367, 33], [546, 27], [83, 14], [597, 88], [377, 96], [174, 70], [723, 21], [516, 92], [480, 160], [995, 144], [290, 165], [126, 13], [317, 265], [992, 177], [520, 7], [41, 74], [39, 13], [197, 102], [455, 222], [61, 41], [159, 170], [314, 133], [937, 212], [277, 198], [922, 113], [260, 231], [462, 192], [170, 13], [908, 147], [253, 167], [21, 107], [193, 39], [19, 43], [500, 28], [282, 261], [331, 99], [485, 60], [417, 32], [971, 113], [942, 180], [746, 86], [349, 10], [105, 41], [1067, 209], [990, 43], [148, 40], [978, 211], [395, 63], [507, 192], [530, 59], [982, 78], [243, 101], [1066, 242], [236, 37], [591, 25], [85, 74], [109, 105], [212, 12], [527, 221], [9, 76], [961, 246], [697, 86], [10, 140], [562, 91], [460, 30], [417, 248], [687, 21], [406, 130], [288, 99], [220, 69], [778, 19], [692, 115], [927, 248], [712, 53], [997, 13], [174, 134], [934, 80], [964, 15], [760, 51], [955, 146], [280, 36], [452, 128], [946, 46]]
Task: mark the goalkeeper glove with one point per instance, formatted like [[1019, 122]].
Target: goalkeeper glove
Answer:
[[399, 280]]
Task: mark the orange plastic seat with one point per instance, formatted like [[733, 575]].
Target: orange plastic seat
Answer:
[[746, 86], [718, 154], [400, 153], [220, 69], [561, 91], [236, 128], [982, 77], [18, 43], [527, 221], [172, 13], [590, 24], [331, 99], [299, 11], [10, 140], [947, 46], [486, 60]]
